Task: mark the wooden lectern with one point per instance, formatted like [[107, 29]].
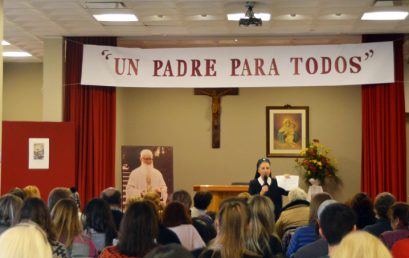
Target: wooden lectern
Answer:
[[220, 192]]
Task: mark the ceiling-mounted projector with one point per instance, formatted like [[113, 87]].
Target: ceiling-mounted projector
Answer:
[[250, 19]]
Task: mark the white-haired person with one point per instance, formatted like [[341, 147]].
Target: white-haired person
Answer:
[[146, 178], [25, 240], [295, 214], [361, 244]]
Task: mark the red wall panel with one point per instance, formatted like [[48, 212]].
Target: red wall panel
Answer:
[[15, 171]]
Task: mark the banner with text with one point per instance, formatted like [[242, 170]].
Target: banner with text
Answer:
[[277, 66]]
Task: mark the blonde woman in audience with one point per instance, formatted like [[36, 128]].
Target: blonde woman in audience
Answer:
[[295, 214], [25, 240], [32, 191], [69, 230], [9, 207], [232, 222], [262, 225], [361, 244], [154, 197]]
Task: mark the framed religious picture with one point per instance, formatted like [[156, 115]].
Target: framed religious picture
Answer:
[[287, 131], [38, 153]]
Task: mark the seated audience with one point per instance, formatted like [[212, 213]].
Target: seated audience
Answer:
[[401, 249], [176, 218], [336, 221], [245, 196], [35, 210], [137, 232], [99, 224], [318, 248], [308, 234], [25, 240], [69, 230], [113, 197], [295, 213], [262, 240], [200, 219], [57, 194], [233, 220], [383, 202], [399, 218], [169, 251], [32, 191], [361, 244], [364, 210], [9, 207]]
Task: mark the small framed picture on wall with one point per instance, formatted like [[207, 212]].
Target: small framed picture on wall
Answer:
[[38, 153], [287, 130]]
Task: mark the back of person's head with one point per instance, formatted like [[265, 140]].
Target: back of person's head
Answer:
[[183, 197], [232, 221], [75, 195], [262, 223], [399, 215], [25, 240], [364, 209], [244, 196], [65, 218], [18, 192], [315, 203], [32, 191], [175, 214], [57, 194], [336, 221], [9, 208], [34, 209], [98, 217], [383, 202], [138, 230], [154, 197], [169, 251], [202, 199], [361, 244], [297, 194], [112, 196]]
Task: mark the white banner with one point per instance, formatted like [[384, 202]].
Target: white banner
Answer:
[[318, 65]]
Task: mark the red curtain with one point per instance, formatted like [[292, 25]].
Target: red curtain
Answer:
[[92, 109], [383, 130]]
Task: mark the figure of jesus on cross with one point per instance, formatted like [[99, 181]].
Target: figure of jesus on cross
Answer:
[[216, 95]]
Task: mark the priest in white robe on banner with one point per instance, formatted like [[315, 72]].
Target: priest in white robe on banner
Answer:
[[146, 178]]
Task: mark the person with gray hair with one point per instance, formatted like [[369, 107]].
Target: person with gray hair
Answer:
[[383, 201], [10, 205], [146, 179], [295, 213]]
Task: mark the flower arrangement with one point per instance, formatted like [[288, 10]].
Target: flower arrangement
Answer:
[[316, 163]]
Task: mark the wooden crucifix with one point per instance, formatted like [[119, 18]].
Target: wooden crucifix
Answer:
[[216, 95]]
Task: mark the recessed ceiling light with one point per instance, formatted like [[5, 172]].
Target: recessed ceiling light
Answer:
[[238, 16], [16, 54], [384, 16], [293, 15], [5, 43], [118, 17]]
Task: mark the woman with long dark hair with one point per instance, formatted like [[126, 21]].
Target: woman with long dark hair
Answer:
[[137, 233]]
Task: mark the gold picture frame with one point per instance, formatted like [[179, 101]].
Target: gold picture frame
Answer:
[[287, 130]]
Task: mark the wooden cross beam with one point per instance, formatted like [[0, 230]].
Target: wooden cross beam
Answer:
[[216, 95]]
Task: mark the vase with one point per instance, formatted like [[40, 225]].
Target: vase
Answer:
[[314, 188]]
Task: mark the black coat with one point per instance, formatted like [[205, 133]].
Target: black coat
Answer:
[[274, 193]]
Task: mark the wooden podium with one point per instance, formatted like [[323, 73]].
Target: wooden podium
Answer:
[[220, 192]]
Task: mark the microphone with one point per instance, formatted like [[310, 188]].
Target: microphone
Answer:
[[265, 180]]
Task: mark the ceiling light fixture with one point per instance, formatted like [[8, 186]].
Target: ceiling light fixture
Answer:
[[16, 54], [115, 17], [249, 18], [384, 16], [5, 43]]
